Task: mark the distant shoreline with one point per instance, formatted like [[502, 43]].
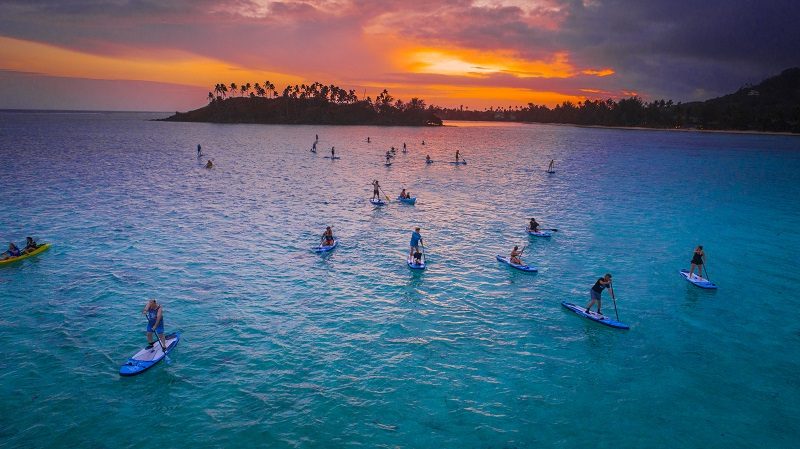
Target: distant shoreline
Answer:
[[632, 128], [686, 130]]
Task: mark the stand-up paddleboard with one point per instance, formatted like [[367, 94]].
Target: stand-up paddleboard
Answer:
[[411, 200], [539, 233], [326, 248], [147, 357], [415, 266], [507, 261], [459, 162], [42, 248], [698, 280], [594, 316], [388, 164], [332, 157], [377, 202]]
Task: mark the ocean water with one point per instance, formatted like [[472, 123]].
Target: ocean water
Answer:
[[284, 348]]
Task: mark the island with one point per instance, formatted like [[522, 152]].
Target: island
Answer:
[[312, 104]]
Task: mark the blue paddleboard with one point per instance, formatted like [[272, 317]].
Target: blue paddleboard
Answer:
[[539, 233], [507, 261], [594, 316], [698, 280], [326, 248], [147, 357]]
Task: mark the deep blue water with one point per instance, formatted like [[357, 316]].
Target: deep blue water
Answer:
[[285, 348]]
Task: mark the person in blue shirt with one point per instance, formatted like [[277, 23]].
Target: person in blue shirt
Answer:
[[416, 238], [155, 322], [12, 252]]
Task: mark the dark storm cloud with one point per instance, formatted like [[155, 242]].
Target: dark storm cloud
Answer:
[[686, 49]]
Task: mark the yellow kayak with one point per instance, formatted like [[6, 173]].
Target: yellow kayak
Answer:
[[38, 250]]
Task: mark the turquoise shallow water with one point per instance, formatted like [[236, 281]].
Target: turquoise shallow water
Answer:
[[285, 348]]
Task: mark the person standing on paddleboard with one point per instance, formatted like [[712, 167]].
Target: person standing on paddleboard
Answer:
[[596, 290], [199, 153], [376, 190], [698, 260], [155, 322], [333, 152], [416, 238], [457, 155]]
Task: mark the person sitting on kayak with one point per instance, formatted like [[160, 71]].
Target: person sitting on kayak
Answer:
[[408, 195], [403, 194], [534, 226], [209, 164], [12, 252], [327, 237], [428, 159], [416, 238], [376, 190], [515, 256], [457, 155], [698, 259], [30, 245], [155, 322], [596, 290]]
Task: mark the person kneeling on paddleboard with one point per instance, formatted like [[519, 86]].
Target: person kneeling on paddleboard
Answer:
[[515, 256], [417, 258], [327, 237], [597, 290], [698, 259], [534, 226], [155, 322], [416, 237]]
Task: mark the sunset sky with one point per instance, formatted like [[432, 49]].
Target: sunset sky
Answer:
[[166, 55]]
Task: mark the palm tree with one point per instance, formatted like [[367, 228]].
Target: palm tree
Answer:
[[210, 97], [233, 88]]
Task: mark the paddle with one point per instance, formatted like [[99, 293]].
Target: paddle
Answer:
[[384, 194], [614, 299], [706, 269], [423, 250]]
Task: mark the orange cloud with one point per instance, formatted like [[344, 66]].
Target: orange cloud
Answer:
[[165, 66], [601, 72]]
